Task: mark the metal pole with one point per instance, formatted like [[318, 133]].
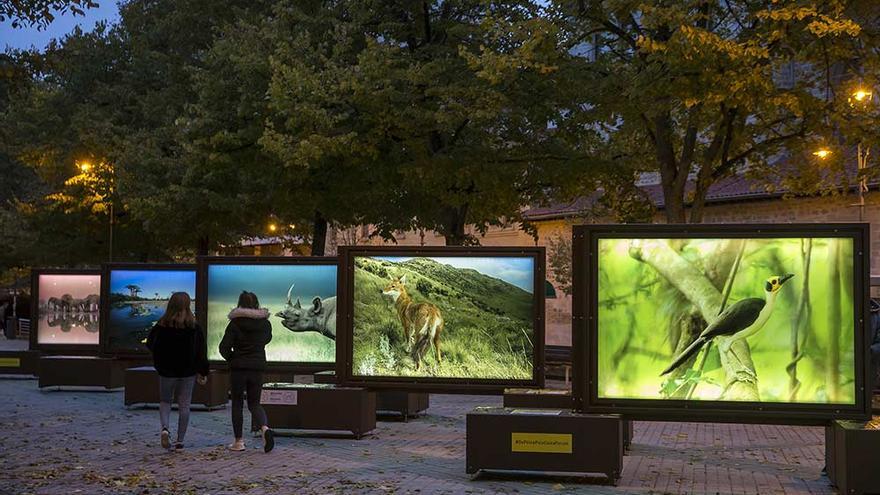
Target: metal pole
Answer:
[[111, 232], [863, 181]]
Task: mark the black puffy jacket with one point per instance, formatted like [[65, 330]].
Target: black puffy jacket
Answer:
[[244, 343], [178, 352]]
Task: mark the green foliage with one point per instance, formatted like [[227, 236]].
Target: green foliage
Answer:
[[40, 13], [488, 322], [559, 261], [693, 90]]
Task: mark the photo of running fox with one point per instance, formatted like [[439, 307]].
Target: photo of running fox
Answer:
[[451, 317]]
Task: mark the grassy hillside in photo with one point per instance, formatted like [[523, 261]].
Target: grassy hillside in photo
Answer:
[[488, 323]]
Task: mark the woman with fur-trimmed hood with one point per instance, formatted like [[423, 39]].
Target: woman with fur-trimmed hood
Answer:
[[244, 348]]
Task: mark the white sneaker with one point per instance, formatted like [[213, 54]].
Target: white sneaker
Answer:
[[236, 446], [166, 439]]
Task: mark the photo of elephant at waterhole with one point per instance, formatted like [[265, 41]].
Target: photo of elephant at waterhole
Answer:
[[450, 317], [68, 309], [301, 300]]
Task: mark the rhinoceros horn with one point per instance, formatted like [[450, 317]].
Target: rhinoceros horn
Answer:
[[288, 293]]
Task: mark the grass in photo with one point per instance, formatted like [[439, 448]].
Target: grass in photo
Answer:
[[450, 317]]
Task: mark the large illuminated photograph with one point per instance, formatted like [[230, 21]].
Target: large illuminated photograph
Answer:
[[301, 299], [444, 317], [767, 320], [67, 309], [137, 299]]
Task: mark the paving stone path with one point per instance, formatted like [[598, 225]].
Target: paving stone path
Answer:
[[87, 442]]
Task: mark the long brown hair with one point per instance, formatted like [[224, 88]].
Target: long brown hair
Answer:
[[248, 300], [178, 313]]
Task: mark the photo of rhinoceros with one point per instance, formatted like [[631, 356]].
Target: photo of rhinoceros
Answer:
[[300, 298]]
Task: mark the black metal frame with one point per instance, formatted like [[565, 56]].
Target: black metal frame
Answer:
[[106, 270], [345, 321], [34, 345], [585, 331], [202, 264]]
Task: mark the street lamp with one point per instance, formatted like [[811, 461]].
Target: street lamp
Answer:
[[822, 153], [273, 227], [861, 95]]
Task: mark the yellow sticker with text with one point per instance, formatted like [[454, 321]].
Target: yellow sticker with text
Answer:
[[10, 362], [552, 443]]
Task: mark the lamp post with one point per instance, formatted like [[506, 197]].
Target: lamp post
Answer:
[[85, 167], [860, 99]]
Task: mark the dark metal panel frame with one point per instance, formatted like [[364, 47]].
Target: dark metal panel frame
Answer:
[[203, 262], [585, 330], [345, 316], [35, 315], [106, 270]]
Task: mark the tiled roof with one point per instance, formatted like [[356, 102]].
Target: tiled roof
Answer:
[[729, 189]]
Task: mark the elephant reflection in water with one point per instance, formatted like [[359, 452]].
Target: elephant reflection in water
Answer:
[[68, 321]]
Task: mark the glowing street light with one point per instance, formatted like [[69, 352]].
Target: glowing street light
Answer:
[[861, 95], [272, 227], [822, 153], [84, 167]]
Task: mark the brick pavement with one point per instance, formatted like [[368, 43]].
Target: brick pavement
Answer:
[[87, 442]]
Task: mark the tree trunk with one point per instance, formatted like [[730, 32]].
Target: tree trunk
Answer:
[[202, 246], [673, 202], [741, 383], [453, 229], [832, 367], [319, 234]]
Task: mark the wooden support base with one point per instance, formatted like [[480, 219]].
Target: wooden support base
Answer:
[[319, 407], [538, 398], [325, 377], [550, 398], [402, 405], [850, 457], [19, 362], [81, 371], [142, 388], [506, 439]]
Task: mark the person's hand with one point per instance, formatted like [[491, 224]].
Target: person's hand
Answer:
[[202, 379]]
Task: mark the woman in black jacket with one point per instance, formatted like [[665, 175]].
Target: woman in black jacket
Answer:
[[179, 353], [244, 348]]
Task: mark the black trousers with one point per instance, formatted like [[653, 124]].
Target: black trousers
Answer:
[[249, 381]]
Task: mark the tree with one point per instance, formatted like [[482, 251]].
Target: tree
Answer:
[[59, 112], [167, 179], [386, 95], [228, 119], [40, 13], [692, 89]]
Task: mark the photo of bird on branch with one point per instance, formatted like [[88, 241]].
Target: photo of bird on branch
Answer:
[[763, 320]]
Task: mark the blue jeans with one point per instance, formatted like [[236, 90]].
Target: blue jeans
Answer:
[[184, 388]]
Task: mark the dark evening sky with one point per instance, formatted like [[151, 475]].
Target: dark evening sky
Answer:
[[30, 37]]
